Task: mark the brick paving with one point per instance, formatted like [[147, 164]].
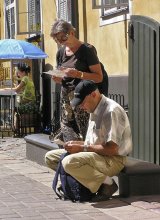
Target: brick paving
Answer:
[[26, 193]]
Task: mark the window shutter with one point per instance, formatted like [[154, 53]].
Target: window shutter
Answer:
[[28, 16], [7, 24], [64, 10], [108, 4], [111, 8], [116, 8], [33, 15], [7, 2], [10, 19]]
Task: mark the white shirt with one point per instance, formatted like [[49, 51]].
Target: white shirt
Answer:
[[109, 122]]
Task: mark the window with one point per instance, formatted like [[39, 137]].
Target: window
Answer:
[[9, 19], [64, 9], [28, 16], [34, 22], [112, 10], [115, 8]]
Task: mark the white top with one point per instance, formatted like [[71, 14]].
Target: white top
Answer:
[[109, 122]]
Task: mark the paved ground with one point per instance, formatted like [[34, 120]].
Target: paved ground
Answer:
[[26, 193]]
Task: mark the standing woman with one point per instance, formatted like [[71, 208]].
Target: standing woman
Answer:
[[78, 61]]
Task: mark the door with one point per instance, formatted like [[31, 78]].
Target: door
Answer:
[[144, 87]]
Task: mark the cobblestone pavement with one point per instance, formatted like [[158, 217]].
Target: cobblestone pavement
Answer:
[[26, 193]]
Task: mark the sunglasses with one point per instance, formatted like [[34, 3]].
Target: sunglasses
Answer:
[[62, 39]]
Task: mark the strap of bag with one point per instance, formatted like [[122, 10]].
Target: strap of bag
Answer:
[[59, 190], [55, 181]]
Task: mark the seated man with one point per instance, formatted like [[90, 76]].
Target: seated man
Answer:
[[108, 141]]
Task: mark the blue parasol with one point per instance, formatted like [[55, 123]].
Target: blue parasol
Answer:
[[18, 49], [11, 49]]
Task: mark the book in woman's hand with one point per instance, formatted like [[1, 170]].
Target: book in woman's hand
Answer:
[[56, 72]]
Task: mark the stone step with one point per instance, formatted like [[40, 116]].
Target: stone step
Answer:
[[37, 145]]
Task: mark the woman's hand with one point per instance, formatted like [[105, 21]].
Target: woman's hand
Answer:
[[70, 72], [73, 147], [95, 73]]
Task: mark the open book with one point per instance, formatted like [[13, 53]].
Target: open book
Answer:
[[55, 72]]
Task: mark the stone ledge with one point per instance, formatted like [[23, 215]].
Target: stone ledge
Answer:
[[137, 166], [37, 145], [139, 178], [41, 140]]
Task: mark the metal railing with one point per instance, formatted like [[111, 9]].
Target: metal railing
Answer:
[[27, 123], [7, 104], [18, 121], [120, 99]]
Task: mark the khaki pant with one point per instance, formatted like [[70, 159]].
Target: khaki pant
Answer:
[[89, 168]]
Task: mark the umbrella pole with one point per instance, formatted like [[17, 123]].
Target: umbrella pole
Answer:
[[12, 100]]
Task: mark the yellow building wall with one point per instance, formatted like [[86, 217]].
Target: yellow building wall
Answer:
[[0, 18], [48, 16], [149, 8], [111, 41]]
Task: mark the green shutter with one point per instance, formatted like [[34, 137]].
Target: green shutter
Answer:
[[144, 87]]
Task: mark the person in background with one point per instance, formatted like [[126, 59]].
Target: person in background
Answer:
[[78, 61], [26, 85], [108, 141], [25, 92]]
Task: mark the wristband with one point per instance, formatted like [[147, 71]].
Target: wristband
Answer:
[[85, 148], [81, 75]]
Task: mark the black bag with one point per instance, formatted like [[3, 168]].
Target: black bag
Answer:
[[103, 86], [70, 188]]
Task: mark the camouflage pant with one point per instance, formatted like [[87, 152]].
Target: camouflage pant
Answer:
[[74, 122]]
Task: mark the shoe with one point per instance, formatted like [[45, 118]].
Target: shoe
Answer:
[[108, 190], [105, 192]]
